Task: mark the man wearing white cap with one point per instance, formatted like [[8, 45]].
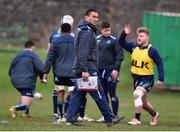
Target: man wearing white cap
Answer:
[[65, 19], [58, 95], [59, 90]]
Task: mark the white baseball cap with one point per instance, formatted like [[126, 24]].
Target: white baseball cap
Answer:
[[67, 19]]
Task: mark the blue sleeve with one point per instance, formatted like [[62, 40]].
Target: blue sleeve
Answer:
[[85, 44], [50, 38], [11, 66], [154, 54], [129, 46], [51, 56], [119, 55], [13, 63], [38, 66]]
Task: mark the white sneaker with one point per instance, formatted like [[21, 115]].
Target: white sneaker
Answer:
[[134, 122], [62, 119], [56, 116], [68, 123], [85, 118], [101, 120], [56, 122], [74, 123], [154, 119], [56, 119]]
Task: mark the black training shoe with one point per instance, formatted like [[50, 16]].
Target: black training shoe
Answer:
[[115, 120], [118, 119], [122, 118]]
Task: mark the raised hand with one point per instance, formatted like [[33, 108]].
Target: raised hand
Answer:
[[127, 29]]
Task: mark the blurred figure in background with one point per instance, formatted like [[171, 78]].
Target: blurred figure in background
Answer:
[[23, 71]]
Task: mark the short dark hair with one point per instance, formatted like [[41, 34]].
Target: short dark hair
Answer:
[[65, 28], [105, 25], [87, 13], [28, 44]]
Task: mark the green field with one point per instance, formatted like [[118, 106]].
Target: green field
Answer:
[[165, 102]]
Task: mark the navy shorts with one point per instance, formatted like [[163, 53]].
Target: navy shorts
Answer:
[[64, 81], [146, 82], [27, 92], [105, 74]]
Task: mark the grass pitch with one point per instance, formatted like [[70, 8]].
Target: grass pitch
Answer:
[[165, 102]]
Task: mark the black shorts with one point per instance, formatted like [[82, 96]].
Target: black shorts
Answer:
[[64, 81], [26, 92], [146, 82]]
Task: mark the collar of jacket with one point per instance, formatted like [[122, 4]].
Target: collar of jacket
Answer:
[[94, 29], [85, 23]]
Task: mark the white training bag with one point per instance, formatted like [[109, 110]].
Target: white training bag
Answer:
[[90, 85]]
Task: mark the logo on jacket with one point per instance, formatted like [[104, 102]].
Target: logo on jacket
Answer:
[[108, 41]]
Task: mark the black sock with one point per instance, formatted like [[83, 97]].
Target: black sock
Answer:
[[27, 110], [138, 116], [55, 98], [153, 113], [60, 106], [20, 106], [66, 103]]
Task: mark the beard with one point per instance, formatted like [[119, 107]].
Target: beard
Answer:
[[140, 43]]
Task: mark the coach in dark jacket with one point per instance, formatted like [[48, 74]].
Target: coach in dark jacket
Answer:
[[86, 48], [23, 71], [86, 62]]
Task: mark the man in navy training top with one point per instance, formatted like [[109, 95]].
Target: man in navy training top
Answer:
[[110, 59], [23, 72], [58, 94]]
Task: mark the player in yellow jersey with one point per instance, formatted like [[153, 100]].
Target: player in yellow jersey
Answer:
[[143, 57]]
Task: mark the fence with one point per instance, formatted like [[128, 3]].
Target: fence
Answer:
[[13, 35]]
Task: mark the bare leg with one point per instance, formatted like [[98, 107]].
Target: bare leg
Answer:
[[146, 105], [26, 100]]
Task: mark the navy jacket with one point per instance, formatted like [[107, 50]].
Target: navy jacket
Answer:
[[153, 53], [61, 55], [86, 48], [110, 52], [24, 69], [55, 34]]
